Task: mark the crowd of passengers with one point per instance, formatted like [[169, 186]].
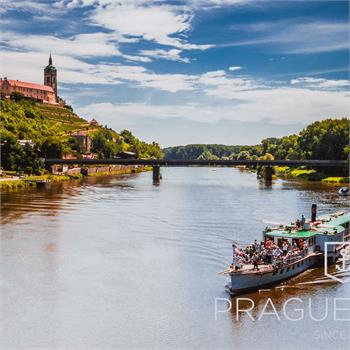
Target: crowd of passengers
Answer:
[[267, 253]]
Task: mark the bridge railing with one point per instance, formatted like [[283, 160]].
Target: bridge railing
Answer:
[[179, 163]]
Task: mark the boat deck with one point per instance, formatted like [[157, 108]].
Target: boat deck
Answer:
[[249, 268]]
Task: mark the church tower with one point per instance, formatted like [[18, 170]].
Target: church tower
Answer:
[[50, 76]]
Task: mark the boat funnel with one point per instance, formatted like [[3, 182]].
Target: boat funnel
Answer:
[[313, 212]]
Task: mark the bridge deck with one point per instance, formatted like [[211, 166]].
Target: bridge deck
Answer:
[[184, 163]]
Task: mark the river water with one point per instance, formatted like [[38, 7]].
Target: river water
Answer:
[[121, 263]]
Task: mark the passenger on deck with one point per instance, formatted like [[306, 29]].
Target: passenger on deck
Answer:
[[276, 252], [257, 247], [255, 261], [285, 248], [262, 246], [302, 221], [305, 247]]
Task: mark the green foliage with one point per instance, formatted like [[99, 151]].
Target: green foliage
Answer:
[[281, 148], [207, 155], [336, 179], [49, 128], [24, 121], [327, 139], [141, 148], [52, 147], [104, 145], [16, 157], [195, 151], [243, 155]]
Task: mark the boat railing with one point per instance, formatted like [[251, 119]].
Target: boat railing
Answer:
[[290, 260]]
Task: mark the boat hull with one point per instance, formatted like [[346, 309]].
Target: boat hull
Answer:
[[242, 282]]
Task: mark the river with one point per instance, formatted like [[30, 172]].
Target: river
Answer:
[[120, 263]]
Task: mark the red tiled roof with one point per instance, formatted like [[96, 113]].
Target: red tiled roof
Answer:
[[24, 84]]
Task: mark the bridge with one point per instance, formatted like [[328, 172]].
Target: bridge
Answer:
[[157, 163]]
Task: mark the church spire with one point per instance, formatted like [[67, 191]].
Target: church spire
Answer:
[[50, 60]]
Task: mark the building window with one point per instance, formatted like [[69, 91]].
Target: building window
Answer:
[[48, 80]]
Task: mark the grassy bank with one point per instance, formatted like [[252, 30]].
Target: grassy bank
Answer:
[[308, 174], [29, 181], [337, 179], [127, 171]]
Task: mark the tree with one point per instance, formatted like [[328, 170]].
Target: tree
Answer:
[[16, 157], [243, 155], [103, 144], [327, 139], [207, 155], [11, 152], [52, 147], [30, 163]]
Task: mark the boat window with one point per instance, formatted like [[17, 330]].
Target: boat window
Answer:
[[298, 264], [282, 271], [288, 269], [293, 267]]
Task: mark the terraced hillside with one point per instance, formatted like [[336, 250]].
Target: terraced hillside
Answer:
[[64, 119]]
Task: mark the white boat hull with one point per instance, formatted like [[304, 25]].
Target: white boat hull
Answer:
[[245, 281]]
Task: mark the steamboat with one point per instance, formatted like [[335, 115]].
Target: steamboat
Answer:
[[307, 248]]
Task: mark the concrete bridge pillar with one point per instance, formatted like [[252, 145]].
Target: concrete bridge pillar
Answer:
[[268, 173], [156, 173]]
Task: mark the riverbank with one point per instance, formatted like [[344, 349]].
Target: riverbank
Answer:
[[28, 182], [309, 174]]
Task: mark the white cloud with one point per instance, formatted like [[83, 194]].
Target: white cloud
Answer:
[[320, 83], [24, 5], [137, 58], [172, 55], [150, 20], [128, 21], [296, 36], [276, 105], [144, 20], [218, 84], [87, 45], [234, 68]]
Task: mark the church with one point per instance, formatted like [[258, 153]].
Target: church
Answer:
[[46, 93]]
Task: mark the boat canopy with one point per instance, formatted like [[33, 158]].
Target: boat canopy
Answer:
[[330, 225], [291, 234], [340, 220]]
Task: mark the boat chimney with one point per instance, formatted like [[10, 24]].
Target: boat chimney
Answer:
[[313, 212]]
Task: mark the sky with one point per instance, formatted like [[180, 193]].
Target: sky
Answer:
[[180, 72]]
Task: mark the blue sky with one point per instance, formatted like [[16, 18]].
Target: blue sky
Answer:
[[179, 72]]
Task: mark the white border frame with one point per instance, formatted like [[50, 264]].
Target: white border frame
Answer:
[[326, 244]]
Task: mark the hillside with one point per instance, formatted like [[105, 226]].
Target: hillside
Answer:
[[64, 118], [30, 130]]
